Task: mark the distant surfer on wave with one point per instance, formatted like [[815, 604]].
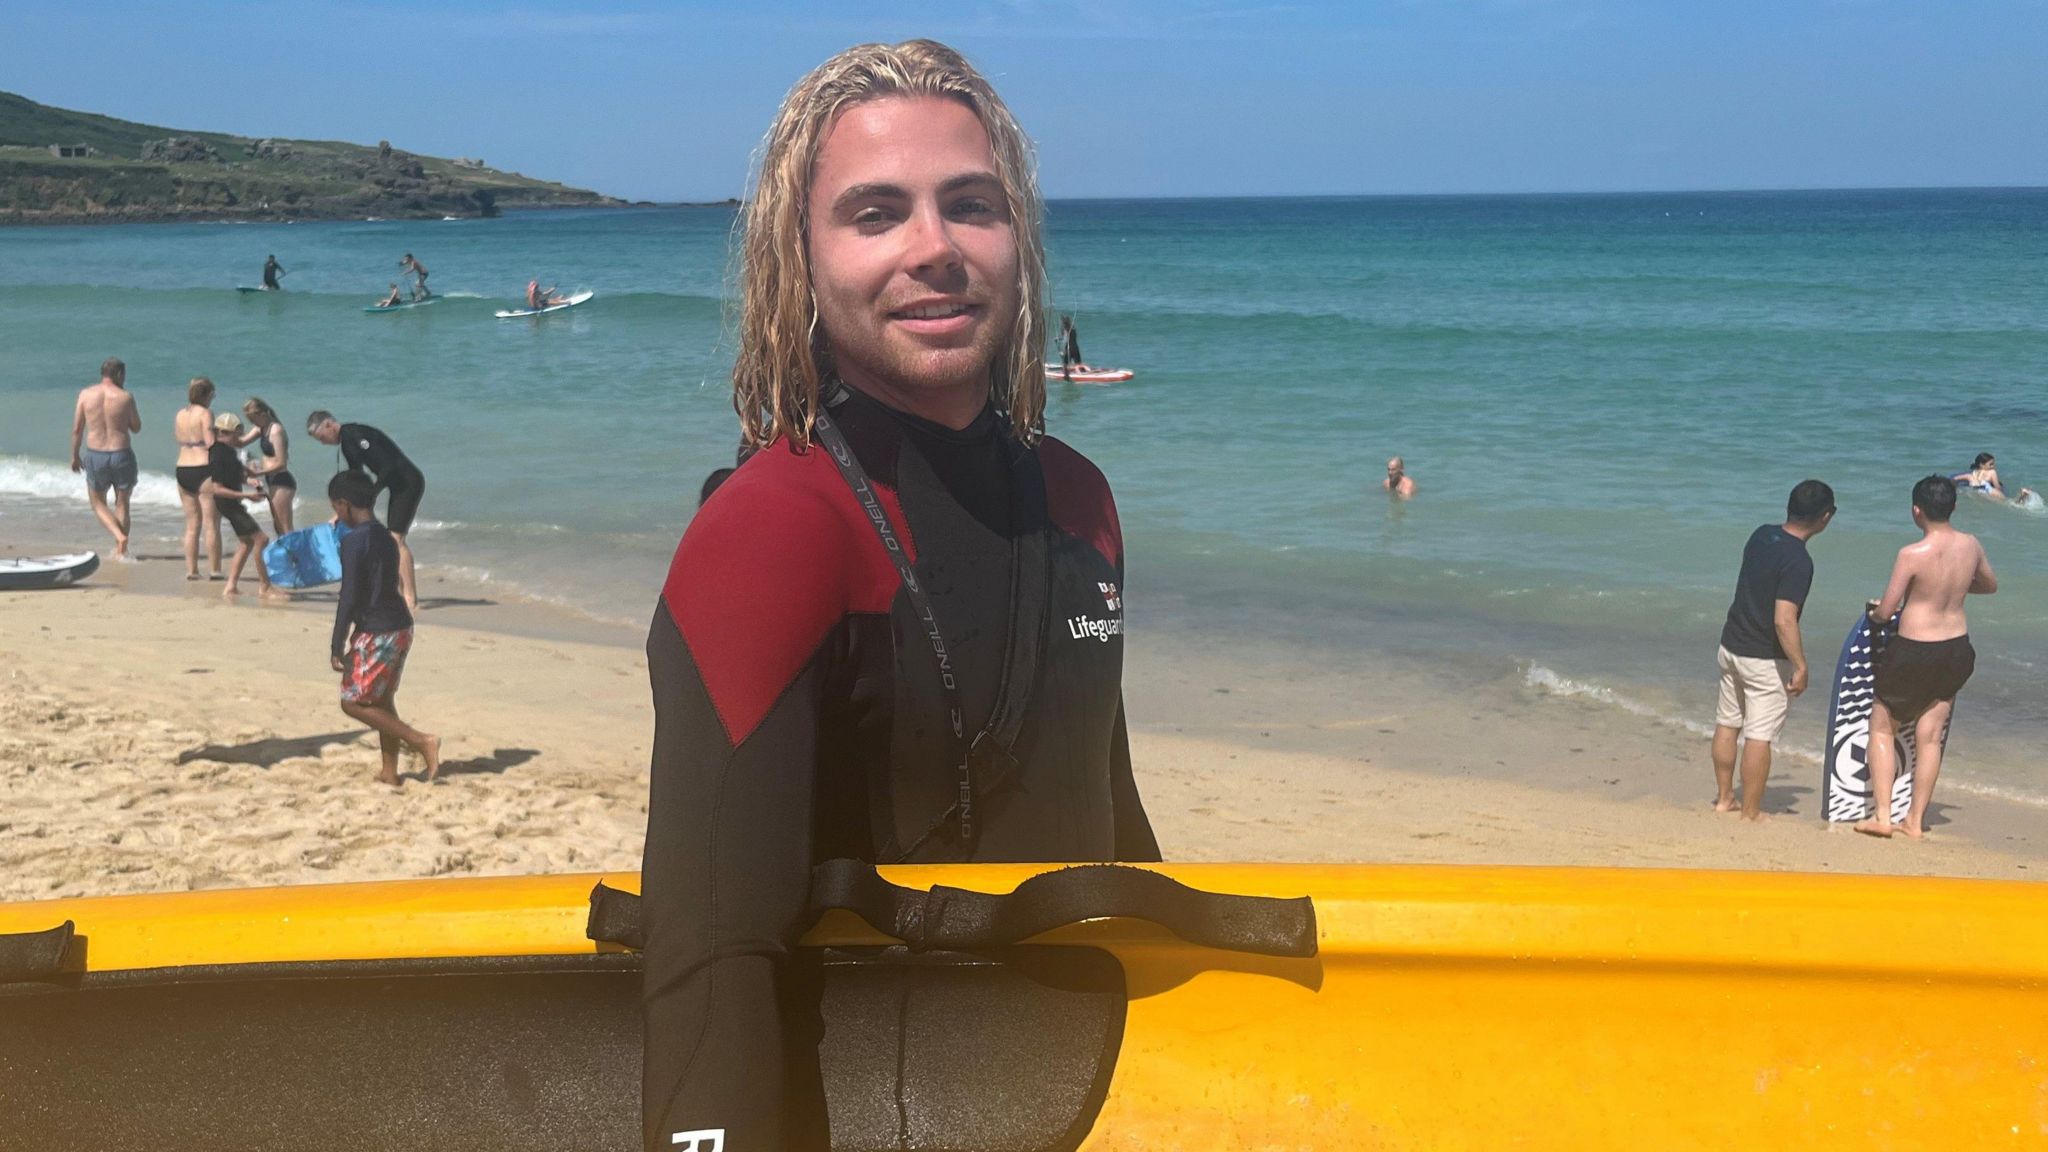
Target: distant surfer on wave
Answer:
[[843, 619], [1399, 485], [1762, 657], [1929, 661], [272, 270]]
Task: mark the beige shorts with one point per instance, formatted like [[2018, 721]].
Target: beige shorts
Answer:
[[1753, 696]]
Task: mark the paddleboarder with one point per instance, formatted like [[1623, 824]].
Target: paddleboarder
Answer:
[[538, 297], [896, 633], [1928, 662], [368, 450], [412, 267], [272, 270], [393, 298], [1070, 348]]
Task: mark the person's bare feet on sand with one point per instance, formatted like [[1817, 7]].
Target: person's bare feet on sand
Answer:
[[1882, 829], [1911, 831], [275, 593], [230, 592], [1756, 817], [387, 776], [430, 751], [1728, 805]]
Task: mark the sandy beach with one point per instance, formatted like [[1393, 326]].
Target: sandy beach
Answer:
[[154, 737]]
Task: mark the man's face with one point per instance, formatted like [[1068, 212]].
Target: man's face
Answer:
[[327, 432], [913, 253]]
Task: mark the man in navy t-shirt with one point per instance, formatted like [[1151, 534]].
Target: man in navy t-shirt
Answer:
[[1762, 660]]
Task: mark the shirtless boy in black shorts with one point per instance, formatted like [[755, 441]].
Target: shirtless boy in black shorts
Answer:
[[1931, 658]]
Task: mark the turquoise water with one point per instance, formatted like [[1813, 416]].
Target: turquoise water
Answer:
[[1599, 395]]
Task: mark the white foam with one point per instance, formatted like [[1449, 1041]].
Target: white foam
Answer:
[[50, 480], [1546, 680]]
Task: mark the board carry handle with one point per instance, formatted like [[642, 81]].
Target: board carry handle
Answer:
[[26, 956], [956, 919]]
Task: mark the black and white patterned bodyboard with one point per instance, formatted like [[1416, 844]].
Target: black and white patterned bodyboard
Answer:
[[1845, 776]]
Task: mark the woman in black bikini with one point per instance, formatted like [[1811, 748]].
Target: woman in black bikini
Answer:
[[278, 483], [194, 430]]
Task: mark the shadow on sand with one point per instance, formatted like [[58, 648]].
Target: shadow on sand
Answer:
[[270, 750]]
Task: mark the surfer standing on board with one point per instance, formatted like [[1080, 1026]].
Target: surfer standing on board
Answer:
[[271, 271], [412, 267], [896, 633], [101, 423], [1930, 659], [1762, 658]]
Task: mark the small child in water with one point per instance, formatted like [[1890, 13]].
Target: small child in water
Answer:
[[373, 627]]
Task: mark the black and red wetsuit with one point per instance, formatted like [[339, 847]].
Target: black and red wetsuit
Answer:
[[799, 716]]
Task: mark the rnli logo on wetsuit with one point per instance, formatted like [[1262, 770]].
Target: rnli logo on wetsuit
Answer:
[[702, 1140], [1084, 628]]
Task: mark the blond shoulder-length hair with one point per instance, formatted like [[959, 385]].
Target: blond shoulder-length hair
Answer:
[[781, 362]]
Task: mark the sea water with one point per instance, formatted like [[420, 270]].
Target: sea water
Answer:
[[1600, 396]]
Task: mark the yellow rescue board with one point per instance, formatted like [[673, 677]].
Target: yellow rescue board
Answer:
[[1449, 1008]]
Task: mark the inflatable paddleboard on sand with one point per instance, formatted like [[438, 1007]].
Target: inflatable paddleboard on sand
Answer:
[[306, 558], [1440, 1007], [571, 302], [1845, 771], [1088, 375], [31, 572]]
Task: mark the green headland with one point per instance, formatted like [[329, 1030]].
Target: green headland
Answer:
[[58, 166]]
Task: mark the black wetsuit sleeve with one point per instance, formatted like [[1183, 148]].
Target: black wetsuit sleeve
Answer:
[[1134, 839], [353, 561], [726, 876]]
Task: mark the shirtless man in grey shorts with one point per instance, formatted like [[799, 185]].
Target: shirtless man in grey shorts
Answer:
[[101, 423]]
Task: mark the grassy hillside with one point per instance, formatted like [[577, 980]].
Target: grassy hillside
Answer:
[[146, 172]]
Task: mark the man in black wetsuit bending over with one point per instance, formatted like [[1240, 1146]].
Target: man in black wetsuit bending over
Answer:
[[810, 702], [367, 450]]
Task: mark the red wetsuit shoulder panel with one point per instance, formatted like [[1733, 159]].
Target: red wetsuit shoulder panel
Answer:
[[1077, 498], [779, 555]]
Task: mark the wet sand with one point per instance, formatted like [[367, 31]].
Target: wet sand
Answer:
[[154, 737]]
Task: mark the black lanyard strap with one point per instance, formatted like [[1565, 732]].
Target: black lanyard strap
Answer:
[[992, 747]]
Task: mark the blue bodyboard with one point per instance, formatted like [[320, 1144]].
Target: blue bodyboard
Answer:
[[306, 558]]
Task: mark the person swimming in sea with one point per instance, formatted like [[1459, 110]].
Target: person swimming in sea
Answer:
[[1982, 478]]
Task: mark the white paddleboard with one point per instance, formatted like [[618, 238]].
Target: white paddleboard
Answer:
[[28, 572], [571, 302], [1088, 375]]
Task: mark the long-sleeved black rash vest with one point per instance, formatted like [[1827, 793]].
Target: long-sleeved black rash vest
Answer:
[[799, 717]]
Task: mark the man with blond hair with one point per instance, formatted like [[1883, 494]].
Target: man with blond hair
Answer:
[[906, 646]]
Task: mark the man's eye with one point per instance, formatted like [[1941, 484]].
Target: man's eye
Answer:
[[974, 207]]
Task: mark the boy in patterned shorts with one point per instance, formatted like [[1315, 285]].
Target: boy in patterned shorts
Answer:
[[373, 627]]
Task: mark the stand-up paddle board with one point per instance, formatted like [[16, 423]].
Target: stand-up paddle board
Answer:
[[402, 307], [1087, 375], [306, 558], [29, 572], [571, 302], [1845, 776], [246, 288]]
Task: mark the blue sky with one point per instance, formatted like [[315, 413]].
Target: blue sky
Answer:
[[1124, 97]]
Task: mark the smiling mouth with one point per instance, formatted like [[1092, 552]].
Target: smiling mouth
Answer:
[[932, 312]]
